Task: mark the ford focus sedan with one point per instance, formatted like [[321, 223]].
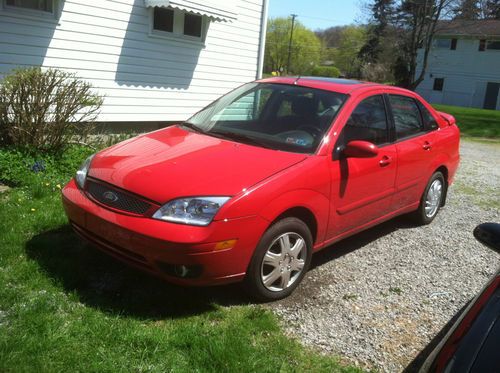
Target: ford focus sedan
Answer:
[[251, 186]]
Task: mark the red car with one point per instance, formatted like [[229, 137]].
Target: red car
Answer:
[[249, 187]]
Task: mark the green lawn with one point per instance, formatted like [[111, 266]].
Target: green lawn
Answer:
[[475, 122], [64, 306]]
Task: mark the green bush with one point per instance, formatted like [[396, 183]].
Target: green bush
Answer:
[[45, 109], [326, 71]]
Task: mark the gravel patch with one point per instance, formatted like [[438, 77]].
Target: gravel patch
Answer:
[[378, 298]]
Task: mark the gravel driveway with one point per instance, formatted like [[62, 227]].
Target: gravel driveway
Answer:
[[377, 299]]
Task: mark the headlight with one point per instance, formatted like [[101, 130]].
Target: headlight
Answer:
[[192, 211], [81, 174]]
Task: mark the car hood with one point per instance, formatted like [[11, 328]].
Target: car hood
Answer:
[[174, 162]]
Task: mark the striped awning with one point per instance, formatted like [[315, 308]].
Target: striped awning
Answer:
[[217, 10]]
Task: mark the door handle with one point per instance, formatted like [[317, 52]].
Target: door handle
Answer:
[[427, 145], [385, 161]]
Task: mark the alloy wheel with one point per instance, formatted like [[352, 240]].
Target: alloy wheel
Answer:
[[283, 261], [433, 198]]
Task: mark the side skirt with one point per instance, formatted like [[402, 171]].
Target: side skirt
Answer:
[[351, 232]]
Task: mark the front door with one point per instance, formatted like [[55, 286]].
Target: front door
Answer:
[[491, 96], [362, 188]]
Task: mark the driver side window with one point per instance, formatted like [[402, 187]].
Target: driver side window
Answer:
[[368, 122]]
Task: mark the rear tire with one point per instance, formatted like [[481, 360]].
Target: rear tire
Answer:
[[431, 200], [280, 260]]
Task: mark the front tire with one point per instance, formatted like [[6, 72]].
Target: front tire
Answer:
[[431, 200], [280, 260]]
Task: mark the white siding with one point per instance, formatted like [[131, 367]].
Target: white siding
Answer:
[[466, 72], [143, 77]]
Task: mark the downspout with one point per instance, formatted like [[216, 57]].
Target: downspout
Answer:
[[262, 41]]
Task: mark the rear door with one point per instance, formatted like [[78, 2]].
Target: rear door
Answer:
[[415, 137], [362, 188]]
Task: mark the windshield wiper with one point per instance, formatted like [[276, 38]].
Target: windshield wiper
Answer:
[[192, 127], [239, 137]]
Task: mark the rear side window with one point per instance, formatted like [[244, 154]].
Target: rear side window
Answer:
[[429, 121], [368, 122], [406, 114]]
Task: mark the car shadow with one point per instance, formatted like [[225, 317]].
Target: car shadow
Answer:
[[104, 283], [359, 240]]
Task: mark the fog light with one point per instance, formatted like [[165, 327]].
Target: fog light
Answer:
[[224, 245], [180, 270]]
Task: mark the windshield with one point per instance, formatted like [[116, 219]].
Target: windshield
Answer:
[[276, 116]]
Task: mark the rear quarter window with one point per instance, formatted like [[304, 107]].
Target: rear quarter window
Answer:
[[407, 119], [429, 121]]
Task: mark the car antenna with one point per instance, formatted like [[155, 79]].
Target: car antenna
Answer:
[[296, 80]]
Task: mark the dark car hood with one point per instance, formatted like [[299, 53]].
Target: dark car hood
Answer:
[[174, 162]]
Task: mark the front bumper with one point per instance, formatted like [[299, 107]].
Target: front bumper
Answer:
[[159, 247]]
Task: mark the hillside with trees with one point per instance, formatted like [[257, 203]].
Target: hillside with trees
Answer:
[[384, 48]]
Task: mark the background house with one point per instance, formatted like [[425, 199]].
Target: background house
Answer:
[[155, 61], [464, 65]]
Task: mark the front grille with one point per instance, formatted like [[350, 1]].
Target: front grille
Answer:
[[116, 199]]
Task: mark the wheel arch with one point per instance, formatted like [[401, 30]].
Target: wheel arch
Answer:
[[307, 205], [303, 214]]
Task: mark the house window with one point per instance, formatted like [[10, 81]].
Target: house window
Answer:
[[163, 19], [40, 5], [442, 43], [453, 44], [438, 84], [177, 23], [482, 45], [192, 25], [493, 44]]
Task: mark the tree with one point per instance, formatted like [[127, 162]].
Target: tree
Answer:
[[331, 39], [331, 36], [417, 20], [381, 13], [377, 54], [467, 9], [305, 52], [345, 57], [492, 9]]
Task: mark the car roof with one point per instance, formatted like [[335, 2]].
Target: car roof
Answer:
[[340, 85]]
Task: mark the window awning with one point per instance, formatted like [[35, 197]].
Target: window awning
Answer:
[[217, 10]]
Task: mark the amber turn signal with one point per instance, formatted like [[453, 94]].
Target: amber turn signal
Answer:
[[224, 245]]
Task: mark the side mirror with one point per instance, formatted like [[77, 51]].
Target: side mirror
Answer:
[[488, 234], [360, 149]]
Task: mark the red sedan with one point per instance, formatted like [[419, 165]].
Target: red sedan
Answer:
[[249, 187]]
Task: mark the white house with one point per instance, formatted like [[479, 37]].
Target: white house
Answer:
[[464, 65], [155, 61]]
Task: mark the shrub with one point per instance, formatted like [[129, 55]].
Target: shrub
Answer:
[[46, 109], [326, 71]]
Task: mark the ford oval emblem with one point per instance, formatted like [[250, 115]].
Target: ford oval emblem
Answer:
[[110, 196]]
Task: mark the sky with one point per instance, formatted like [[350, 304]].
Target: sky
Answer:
[[318, 14]]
